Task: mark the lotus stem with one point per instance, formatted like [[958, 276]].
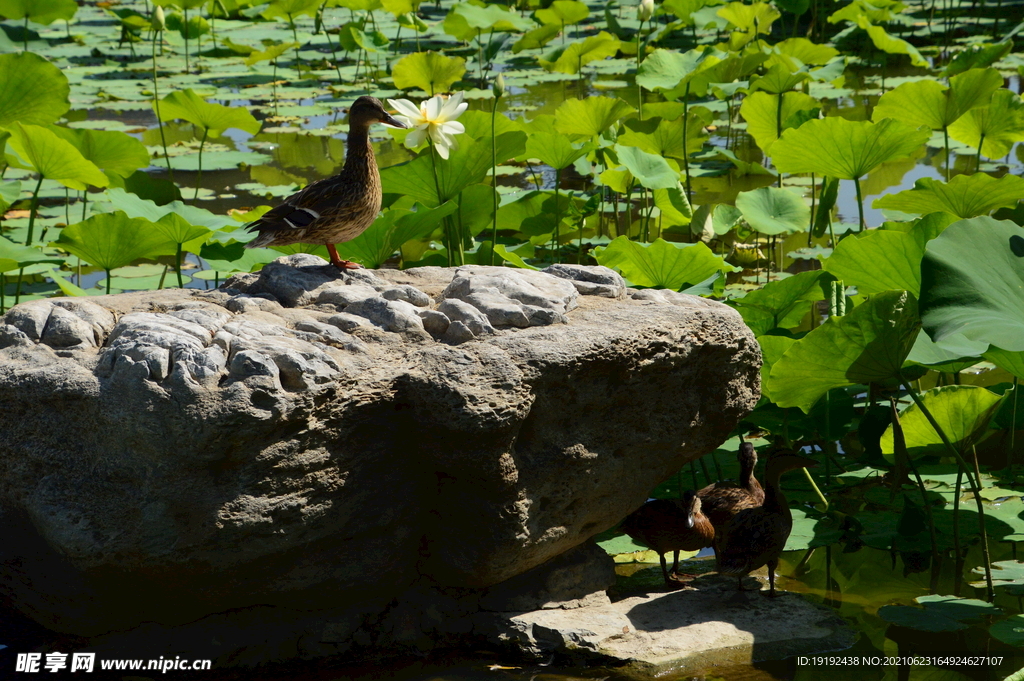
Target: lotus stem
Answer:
[[199, 175], [977, 164], [814, 486], [177, 266], [1013, 429], [33, 210], [686, 146], [990, 591], [3, 292], [945, 141], [156, 106], [558, 214], [107, 270], [959, 558], [187, 31], [17, 286], [494, 180], [860, 204]]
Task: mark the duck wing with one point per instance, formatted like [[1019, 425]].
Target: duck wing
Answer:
[[327, 202]]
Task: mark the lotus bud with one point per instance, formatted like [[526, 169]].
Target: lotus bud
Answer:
[[498, 86], [158, 21], [646, 10]]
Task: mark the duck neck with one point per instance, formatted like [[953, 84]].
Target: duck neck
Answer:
[[774, 499], [747, 479], [359, 160]]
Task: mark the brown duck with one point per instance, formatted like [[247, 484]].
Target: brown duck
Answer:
[[338, 208], [721, 501], [670, 525], [756, 536]]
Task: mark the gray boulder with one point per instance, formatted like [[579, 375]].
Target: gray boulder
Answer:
[[180, 461]]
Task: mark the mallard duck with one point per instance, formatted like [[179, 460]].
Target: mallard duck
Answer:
[[756, 536], [338, 208], [721, 501], [670, 525]]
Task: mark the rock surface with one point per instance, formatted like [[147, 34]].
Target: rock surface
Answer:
[[305, 440], [657, 633]]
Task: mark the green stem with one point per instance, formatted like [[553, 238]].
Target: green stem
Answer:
[[558, 213], [273, 86], [33, 210], [107, 280], [3, 292], [1013, 429], [814, 485], [156, 106], [199, 175], [449, 247], [494, 181], [778, 130], [186, 42], [177, 266], [981, 528], [959, 561], [686, 149], [17, 286], [860, 203], [977, 164], [945, 140], [24, 34]]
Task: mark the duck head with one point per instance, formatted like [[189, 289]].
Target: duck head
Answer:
[[366, 111], [691, 502]]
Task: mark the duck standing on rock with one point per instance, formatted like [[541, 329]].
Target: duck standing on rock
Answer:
[[756, 536], [338, 208], [670, 525], [721, 501]]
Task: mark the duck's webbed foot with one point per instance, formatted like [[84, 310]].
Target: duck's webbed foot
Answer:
[[338, 262]]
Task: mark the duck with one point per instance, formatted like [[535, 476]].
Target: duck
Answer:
[[670, 525], [756, 536], [334, 209], [721, 501]]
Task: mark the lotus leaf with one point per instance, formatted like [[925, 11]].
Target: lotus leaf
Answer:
[[661, 264], [212, 118], [782, 304], [869, 344], [112, 240], [765, 118], [563, 12], [392, 229], [844, 149], [573, 58], [887, 43], [43, 151], [972, 276], [111, 151], [591, 116], [965, 196], [555, 150], [429, 71], [1000, 124], [928, 102], [39, 11], [26, 73], [770, 210], [651, 171], [668, 69], [962, 412]]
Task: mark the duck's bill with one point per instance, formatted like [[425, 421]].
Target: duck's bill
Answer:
[[392, 121]]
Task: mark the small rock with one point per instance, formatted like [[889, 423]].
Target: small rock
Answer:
[[245, 302], [594, 280], [408, 294], [436, 323], [390, 315], [473, 319], [458, 332], [67, 330], [347, 322], [343, 296], [30, 318]]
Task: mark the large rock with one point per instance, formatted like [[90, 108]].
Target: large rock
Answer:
[[306, 440]]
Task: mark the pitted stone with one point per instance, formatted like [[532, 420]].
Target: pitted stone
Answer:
[[590, 280], [408, 294]]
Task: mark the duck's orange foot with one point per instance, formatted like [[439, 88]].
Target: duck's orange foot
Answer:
[[346, 265]]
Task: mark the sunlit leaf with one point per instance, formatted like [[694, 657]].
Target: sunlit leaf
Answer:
[[961, 411], [868, 344], [965, 196], [661, 264], [651, 171], [110, 150], [845, 149], [573, 58], [392, 229], [770, 210], [764, 117], [972, 283], [39, 11], [783, 303], [591, 116], [555, 150], [429, 71], [887, 43], [215, 118], [1001, 123], [563, 12], [111, 240], [32, 90], [928, 102], [878, 260], [41, 150]]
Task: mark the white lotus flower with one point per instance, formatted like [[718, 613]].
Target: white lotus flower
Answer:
[[434, 119], [646, 10]]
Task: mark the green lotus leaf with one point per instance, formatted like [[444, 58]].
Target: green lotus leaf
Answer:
[[1001, 123], [651, 171], [392, 229], [1010, 631], [537, 38], [668, 69], [360, 5], [555, 150], [137, 207], [940, 613], [765, 119], [778, 79], [112, 240], [429, 71], [683, 9], [290, 9], [874, 10], [466, 21], [878, 260], [665, 138], [14, 256], [961, 411], [271, 53], [1012, 362], [772, 348], [233, 256], [844, 149], [177, 230], [32, 90], [573, 58], [965, 196], [869, 344], [748, 20], [782, 304], [972, 278], [9, 193], [591, 116], [110, 150], [887, 43], [213, 118], [399, 7], [806, 51], [951, 352], [469, 164], [39, 11], [563, 12], [41, 150], [771, 210], [661, 264], [674, 206], [928, 102], [977, 57]]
